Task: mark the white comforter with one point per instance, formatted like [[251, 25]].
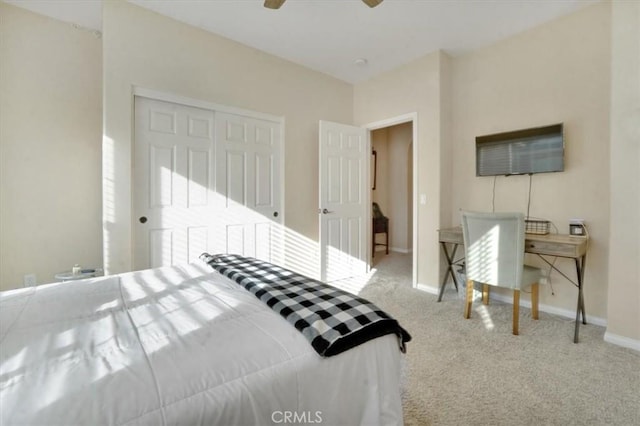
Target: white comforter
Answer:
[[178, 345]]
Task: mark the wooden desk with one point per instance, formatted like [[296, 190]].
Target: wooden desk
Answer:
[[557, 245]]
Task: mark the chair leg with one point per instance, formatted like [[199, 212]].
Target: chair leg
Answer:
[[516, 311], [469, 300], [373, 241], [534, 301], [485, 294], [387, 245]]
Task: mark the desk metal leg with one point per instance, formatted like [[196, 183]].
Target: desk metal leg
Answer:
[[580, 265], [449, 269]]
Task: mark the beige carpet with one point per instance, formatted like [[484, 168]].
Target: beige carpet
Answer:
[[458, 371]]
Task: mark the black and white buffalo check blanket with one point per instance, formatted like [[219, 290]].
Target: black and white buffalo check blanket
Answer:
[[331, 319]]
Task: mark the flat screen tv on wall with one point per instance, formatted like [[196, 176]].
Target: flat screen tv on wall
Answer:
[[527, 151]]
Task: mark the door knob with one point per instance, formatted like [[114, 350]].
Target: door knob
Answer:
[[275, 214], [326, 211], [143, 219]]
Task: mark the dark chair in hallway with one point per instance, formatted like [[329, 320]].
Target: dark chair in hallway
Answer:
[[380, 226]]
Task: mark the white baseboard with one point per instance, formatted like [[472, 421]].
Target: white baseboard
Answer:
[[567, 313], [400, 250], [393, 249], [527, 304], [427, 288], [625, 342]]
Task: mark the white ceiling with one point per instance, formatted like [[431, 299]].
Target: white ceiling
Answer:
[[330, 35]]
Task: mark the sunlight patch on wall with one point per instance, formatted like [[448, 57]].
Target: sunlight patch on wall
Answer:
[[108, 199]]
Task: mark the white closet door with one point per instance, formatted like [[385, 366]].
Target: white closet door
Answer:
[[248, 181], [180, 210]]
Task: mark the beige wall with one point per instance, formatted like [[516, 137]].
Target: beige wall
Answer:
[[148, 50], [50, 144], [399, 197], [380, 195], [414, 88], [558, 72], [623, 321], [379, 143]]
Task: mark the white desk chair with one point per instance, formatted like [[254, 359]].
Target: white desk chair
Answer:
[[494, 255]]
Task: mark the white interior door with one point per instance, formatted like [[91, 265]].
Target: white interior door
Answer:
[[344, 183], [204, 181], [248, 180], [173, 183]]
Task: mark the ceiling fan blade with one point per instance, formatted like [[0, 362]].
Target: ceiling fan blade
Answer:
[[273, 4], [372, 3]]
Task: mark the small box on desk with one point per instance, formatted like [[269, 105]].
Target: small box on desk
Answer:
[[576, 227], [540, 227]]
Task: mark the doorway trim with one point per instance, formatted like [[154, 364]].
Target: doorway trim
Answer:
[[412, 118]]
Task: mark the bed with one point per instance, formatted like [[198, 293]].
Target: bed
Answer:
[[179, 345]]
